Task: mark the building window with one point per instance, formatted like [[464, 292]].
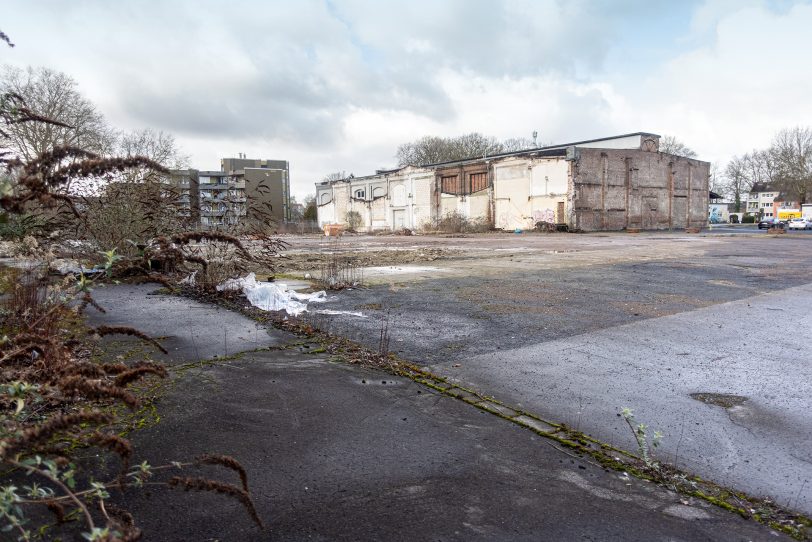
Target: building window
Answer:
[[360, 194], [479, 181], [450, 184]]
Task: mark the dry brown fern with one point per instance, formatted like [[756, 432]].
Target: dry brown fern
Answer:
[[228, 462], [46, 430], [204, 484], [131, 331]]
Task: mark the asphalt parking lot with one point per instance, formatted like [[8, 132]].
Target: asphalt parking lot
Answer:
[[342, 452], [577, 327]]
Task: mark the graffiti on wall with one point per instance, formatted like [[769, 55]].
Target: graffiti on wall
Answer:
[[544, 215], [716, 215]]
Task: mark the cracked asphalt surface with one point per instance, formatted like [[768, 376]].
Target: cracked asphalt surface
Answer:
[[341, 452], [577, 327]]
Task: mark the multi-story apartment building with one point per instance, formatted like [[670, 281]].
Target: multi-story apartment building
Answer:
[[184, 183], [222, 198], [761, 200], [243, 188], [266, 184]]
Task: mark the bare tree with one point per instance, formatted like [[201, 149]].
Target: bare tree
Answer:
[[336, 176], [433, 149], [158, 146], [792, 150], [715, 179], [761, 166], [518, 144], [474, 145], [426, 150], [737, 182], [53, 95], [672, 145]]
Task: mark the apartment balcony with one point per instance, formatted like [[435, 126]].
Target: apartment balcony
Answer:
[[215, 213]]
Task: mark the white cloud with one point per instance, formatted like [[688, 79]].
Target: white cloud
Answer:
[[337, 85], [734, 93]]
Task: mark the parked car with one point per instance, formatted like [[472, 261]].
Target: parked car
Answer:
[[800, 224], [767, 223]]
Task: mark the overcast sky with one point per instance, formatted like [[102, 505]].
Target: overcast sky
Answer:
[[337, 85]]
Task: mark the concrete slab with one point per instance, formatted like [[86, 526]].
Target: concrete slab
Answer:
[[190, 330], [329, 458], [332, 457], [763, 445]]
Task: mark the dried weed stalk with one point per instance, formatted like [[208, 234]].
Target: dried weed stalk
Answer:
[[54, 398]]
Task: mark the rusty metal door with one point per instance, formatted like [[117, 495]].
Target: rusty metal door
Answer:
[[559, 214]]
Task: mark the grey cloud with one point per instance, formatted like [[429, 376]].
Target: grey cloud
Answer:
[[294, 70], [306, 75]]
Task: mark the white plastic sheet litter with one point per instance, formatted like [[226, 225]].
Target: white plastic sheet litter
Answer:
[[272, 296]]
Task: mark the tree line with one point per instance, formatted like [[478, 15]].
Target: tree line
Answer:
[[55, 95], [786, 165]]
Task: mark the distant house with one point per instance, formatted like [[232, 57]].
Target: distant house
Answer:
[[612, 183], [760, 200], [786, 206]]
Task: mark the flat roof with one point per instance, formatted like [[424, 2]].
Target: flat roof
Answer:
[[539, 149], [549, 150]]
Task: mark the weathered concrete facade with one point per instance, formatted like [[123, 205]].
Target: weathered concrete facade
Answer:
[[267, 185], [388, 200], [614, 189], [614, 183]]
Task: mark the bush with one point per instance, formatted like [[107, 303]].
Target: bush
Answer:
[[455, 222], [734, 219], [353, 219], [546, 227], [60, 396], [748, 219], [15, 227], [128, 213]]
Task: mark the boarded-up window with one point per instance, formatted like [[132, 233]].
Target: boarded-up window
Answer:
[[479, 181], [399, 195], [451, 184]]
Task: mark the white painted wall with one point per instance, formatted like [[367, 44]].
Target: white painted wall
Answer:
[[628, 142], [408, 190], [527, 191]]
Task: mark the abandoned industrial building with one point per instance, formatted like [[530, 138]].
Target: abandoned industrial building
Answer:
[[613, 183]]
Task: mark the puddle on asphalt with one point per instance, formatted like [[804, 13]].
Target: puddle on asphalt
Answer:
[[724, 400]]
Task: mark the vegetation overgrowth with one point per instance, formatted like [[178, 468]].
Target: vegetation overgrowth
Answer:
[[57, 396]]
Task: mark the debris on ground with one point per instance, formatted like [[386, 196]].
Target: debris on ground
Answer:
[[313, 261], [272, 296]]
